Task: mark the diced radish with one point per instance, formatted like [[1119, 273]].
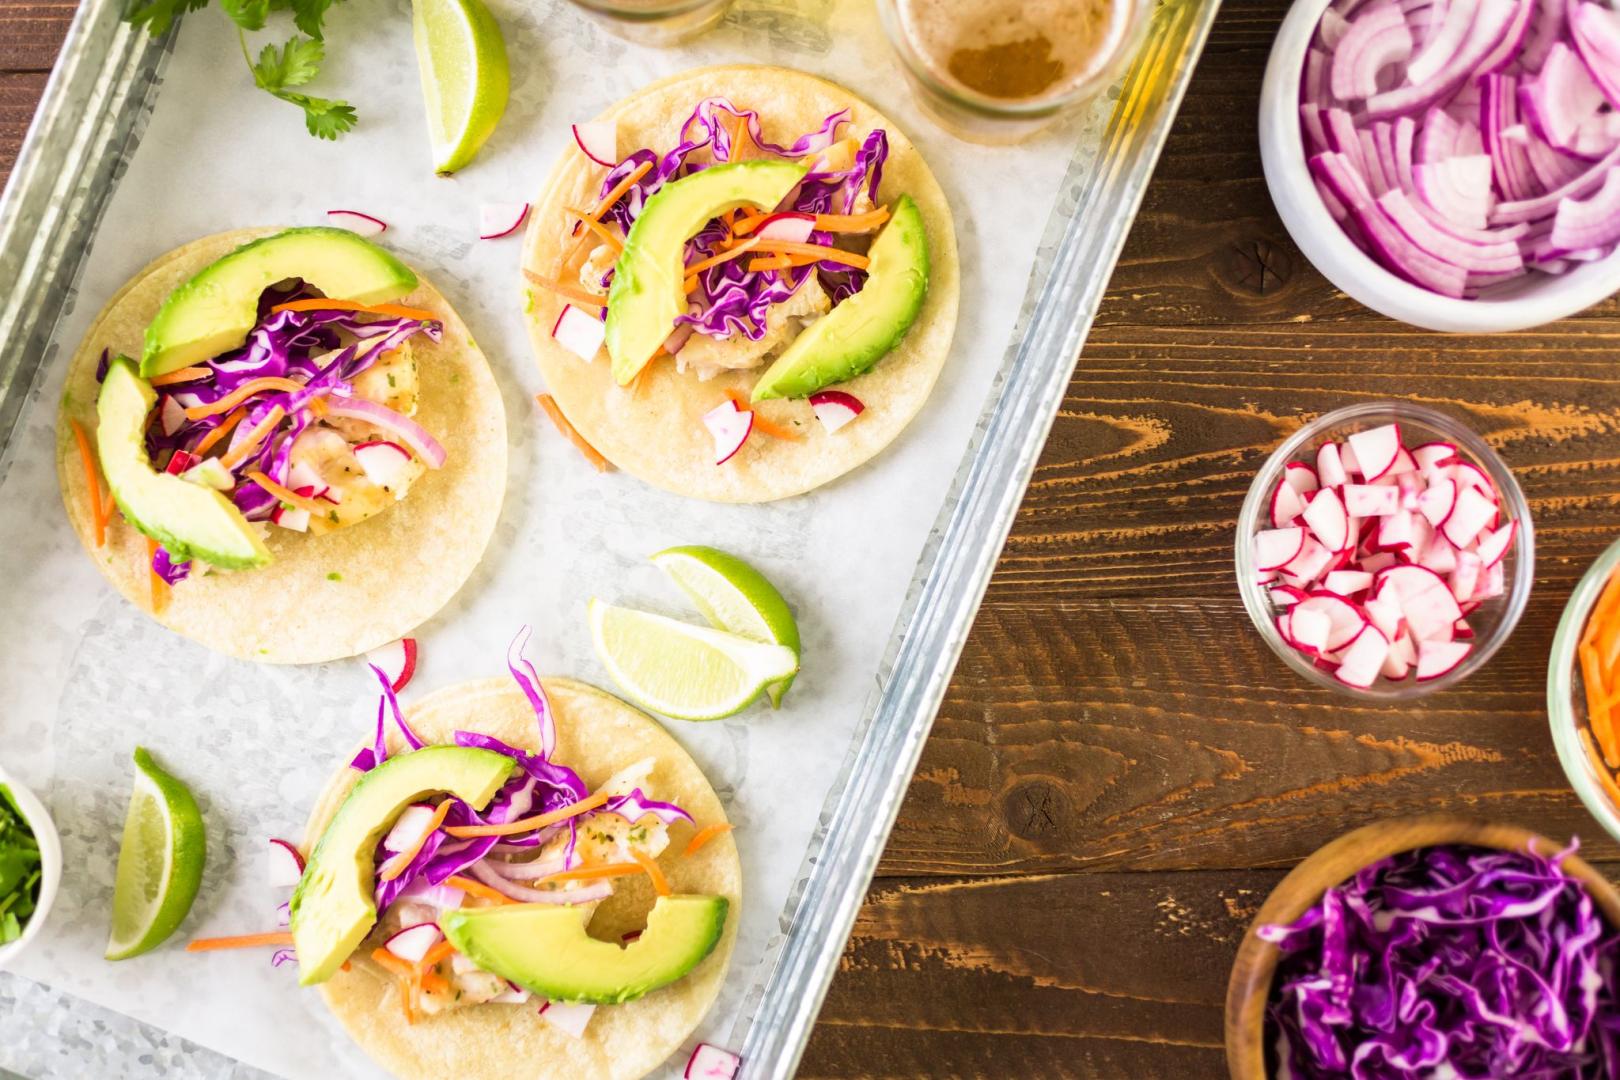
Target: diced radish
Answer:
[[397, 660], [1346, 619], [568, 1017], [1492, 584], [410, 828], [1439, 556], [1309, 627], [1276, 548], [179, 462], [1286, 595], [383, 462], [599, 141], [1472, 513], [1301, 477], [730, 427], [1427, 455], [1376, 449], [1347, 460], [1398, 531], [1328, 521], [292, 518], [512, 995], [1436, 501], [1286, 505], [835, 408], [1431, 614], [580, 333], [1378, 561], [1329, 469], [413, 942], [171, 416], [1437, 658], [1404, 466], [1347, 582], [1368, 500], [286, 865], [1462, 631], [1467, 474], [1494, 544], [496, 220], [302, 476], [1384, 614], [1311, 563], [1465, 578], [711, 1063], [792, 227], [356, 222], [1266, 577], [1360, 664]]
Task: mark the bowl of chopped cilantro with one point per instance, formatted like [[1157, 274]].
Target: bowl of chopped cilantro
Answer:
[[30, 867]]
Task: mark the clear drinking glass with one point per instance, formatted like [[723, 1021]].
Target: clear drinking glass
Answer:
[[1000, 70], [657, 22]]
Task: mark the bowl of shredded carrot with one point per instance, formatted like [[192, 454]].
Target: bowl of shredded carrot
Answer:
[[1583, 689]]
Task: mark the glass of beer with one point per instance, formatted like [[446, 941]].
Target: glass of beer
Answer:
[[657, 22], [1000, 70]]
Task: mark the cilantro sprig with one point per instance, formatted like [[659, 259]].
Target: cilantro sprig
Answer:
[[278, 71]]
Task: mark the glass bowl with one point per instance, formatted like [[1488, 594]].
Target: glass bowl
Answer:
[[1493, 621], [1566, 696]]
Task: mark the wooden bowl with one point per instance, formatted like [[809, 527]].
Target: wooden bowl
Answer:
[[1335, 862]]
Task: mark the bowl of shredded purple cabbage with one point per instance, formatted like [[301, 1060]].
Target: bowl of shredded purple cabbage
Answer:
[[1431, 948]]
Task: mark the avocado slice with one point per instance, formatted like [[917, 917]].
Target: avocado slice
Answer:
[[647, 292], [213, 311], [859, 332], [188, 519], [544, 947], [333, 907]]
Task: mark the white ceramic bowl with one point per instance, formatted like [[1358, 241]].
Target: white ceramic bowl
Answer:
[[50, 861], [1518, 305]]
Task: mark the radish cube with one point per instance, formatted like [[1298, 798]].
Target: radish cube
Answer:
[[1492, 584], [1404, 466], [1310, 628], [1439, 556], [835, 408], [1328, 521], [1311, 563], [1465, 578], [1435, 501], [1467, 474], [1361, 662], [1368, 500], [171, 416], [1494, 545], [1437, 658], [413, 942], [580, 333], [711, 1063], [1286, 596], [1301, 477], [396, 660], [1347, 460], [1431, 453], [1329, 469], [1384, 614], [1347, 582], [599, 141], [1472, 513], [730, 428], [1376, 449], [384, 463], [1276, 548], [290, 518], [568, 1017], [1286, 505], [1397, 531]]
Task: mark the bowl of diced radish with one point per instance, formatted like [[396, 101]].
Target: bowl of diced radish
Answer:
[[1385, 550]]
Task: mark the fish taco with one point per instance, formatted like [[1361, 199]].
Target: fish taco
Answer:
[[284, 445], [741, 283]]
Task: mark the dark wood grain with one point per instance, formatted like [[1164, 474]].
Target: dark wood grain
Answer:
[[1121, 770]]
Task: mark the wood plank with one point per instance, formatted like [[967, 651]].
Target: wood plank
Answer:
[[19, 94], [31, 32]]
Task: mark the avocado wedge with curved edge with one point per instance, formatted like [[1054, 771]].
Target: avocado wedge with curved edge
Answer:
[[855, 335], [647, 292]]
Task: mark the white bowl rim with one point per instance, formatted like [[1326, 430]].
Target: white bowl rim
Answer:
[[1539, 298], [50, 861], [1562, 716]]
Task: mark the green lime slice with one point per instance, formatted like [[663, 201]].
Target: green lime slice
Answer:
[[685, 671], [160, 862], [464, 76], [734, 597]]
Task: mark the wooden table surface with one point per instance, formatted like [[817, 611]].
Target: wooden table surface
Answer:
[[1121, 769]]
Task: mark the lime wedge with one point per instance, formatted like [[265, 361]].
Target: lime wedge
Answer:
[[734, 597], [160, 862], [685, 671], [464, 76]]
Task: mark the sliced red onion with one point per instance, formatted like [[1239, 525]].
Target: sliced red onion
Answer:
[[583, 893], [1589, 223], [409, 431], [496, 220], [357, 222], [444, 897], [1375, 39], [1560, 98]]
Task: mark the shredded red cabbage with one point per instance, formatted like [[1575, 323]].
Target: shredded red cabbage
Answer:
[[1448, 961]]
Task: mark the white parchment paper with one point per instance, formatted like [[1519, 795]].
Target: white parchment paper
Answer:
[[86, 677]]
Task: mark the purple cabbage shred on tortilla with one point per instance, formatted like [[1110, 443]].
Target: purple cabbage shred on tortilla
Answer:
[[1447, 962]]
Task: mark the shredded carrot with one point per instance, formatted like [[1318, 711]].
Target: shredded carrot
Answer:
[[436, 955], [1604, 774], [92, 479], [107, 504], [729, 220], [660, 883], [435, 982], [240, 941], [291, 498], [1603, 609], [224, 429], [594, 873], [705, 834], [822, 252], [1597, 712], [619, 189], [567, 292], [239, 453], [395, 964], [602, 231], [402, 859], [478, 889], [742, 140], [691, 285], [731, 253], [775, 431], [539, 821], [852, 223], [185, 374], [242, 393], [159, 587], [398, 311], [569, 432], [770, 262], [405, 976]]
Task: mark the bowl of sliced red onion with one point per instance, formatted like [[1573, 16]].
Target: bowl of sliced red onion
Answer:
[[1385, 550], [1454, 164]]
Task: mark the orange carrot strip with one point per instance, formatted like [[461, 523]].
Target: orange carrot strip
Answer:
[[569, 432], [107, 504], [593, 873], [291, 498], [185, 374], [660, 883], [241, 394], [602, 231], [396, 865], [240, 941], [436, 955], [619, 189], [434, 982], [771, 262], [822, 252], [225, 428], [691, 285], [398, 311], [477, 888], [567, 292], [705, 834], [1603, 609], [1603, 772], [852, 223], [715, 260], [158, 586], [98, 514], [1597, 712], [775, 431], [239, 453], [395, 964], [405, 976], [539, 821]]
